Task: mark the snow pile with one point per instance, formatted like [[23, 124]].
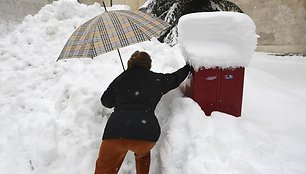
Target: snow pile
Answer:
[[52, 119], [50, 112], [210, 39], [6, 27], [51, 116]]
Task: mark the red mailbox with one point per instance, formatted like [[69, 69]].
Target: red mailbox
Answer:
[[217, 89]]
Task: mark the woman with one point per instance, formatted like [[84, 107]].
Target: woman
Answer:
[[133, 126]]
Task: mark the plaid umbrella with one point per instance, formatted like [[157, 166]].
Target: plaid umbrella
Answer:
[[111, 30]]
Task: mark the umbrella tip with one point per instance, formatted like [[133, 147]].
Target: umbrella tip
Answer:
[[104, 5]]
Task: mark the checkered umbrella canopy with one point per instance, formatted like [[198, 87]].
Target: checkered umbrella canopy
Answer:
[[111, 30]]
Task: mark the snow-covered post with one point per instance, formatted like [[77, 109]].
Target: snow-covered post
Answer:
[[218, 45]]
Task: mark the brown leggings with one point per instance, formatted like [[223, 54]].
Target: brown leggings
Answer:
[[112, 153]]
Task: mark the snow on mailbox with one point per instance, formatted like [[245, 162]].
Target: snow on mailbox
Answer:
[[218, 45]]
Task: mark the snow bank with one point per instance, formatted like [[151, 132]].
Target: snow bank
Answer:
[[50, 113], [6, 27], [224, 39]]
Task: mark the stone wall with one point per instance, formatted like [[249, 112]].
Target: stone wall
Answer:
[[281, 24], [17, 9]]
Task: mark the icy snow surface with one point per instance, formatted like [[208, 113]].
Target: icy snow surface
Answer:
[[52, 120], [210, 39]]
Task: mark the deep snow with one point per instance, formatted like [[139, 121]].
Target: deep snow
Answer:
[[223, 39], [52, 119]]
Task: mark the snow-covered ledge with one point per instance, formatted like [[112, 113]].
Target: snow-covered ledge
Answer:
[[223, 39]]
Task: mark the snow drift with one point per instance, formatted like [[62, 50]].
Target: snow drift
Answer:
[[210, 39]]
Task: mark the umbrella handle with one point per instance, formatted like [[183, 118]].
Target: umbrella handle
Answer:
[[121, 60]]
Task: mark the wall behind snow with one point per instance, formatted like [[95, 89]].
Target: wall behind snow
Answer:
[[17, 9], [281, 24]]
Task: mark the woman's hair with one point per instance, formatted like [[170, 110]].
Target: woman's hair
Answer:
[[140, 59]]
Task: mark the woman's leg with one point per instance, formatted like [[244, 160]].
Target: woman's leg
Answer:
[[143, 163], [111, 156], [141, 151]]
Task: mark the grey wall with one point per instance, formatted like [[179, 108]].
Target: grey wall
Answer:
[[281, 24], [18, 9]]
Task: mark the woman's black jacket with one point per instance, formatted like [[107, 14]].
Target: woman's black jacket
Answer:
[[135, 94]]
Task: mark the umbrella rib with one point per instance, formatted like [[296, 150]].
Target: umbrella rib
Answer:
[[150, 26], [103, 33], [119, 30], [94, 51], [138, 33]]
